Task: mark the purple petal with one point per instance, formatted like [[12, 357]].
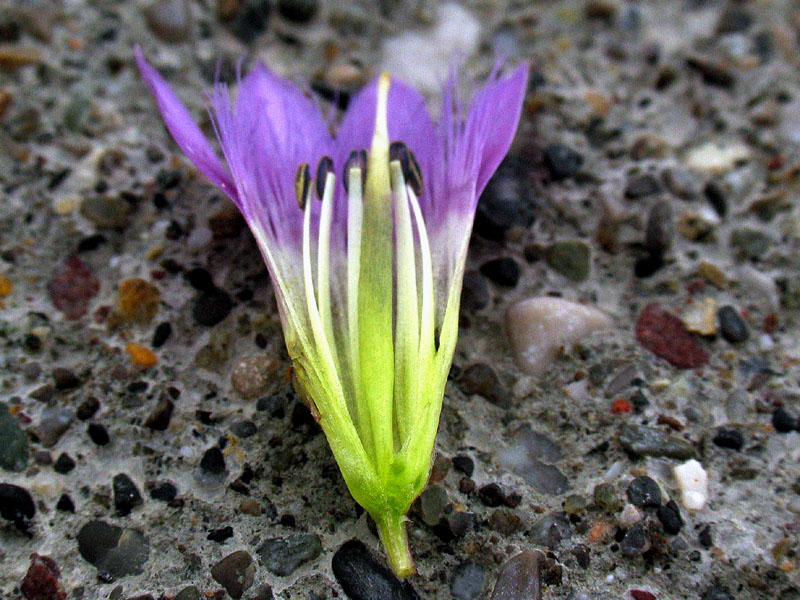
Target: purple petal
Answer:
[[184, 129]]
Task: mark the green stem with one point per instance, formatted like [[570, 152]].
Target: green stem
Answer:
[[392, 531]]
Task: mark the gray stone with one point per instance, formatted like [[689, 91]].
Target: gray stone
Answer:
[[520, 578], [658, 233], [432, 502], [641, 440], [170, 20], [748, 243], [235, 573], [53, 422], [467, 582], [731, 325], [681, 183], [13, 443], [570, 258], [550, 530], [640, 186], [106, 211], [113, 550], [283, 556]]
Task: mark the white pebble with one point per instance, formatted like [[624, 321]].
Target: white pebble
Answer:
[[717, 158], [630, 515], [693, 482], [538, 327]]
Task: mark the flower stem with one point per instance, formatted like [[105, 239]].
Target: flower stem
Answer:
[[392, 531]]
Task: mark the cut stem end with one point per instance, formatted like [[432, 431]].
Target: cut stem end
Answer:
[[392, 532]]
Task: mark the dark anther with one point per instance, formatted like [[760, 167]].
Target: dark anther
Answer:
[[324, 167], [356, 160], [408, 163], [302, 183]]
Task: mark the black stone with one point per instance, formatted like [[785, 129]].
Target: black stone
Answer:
[[64, 464], [244, 429], [87, 408], [641, 186], [126, 494], [211, 307], [734, 19], [16, 505], [167, 179], [782, 421], [729, 438], [482, 380], [221, 534], [562, 161], [634, 542], [704, 537], [299, 11], [65, 379], [164, 492], [116, 552], [492, 495], [98, 434], [731, 325], [65, 504], [717, 592], [644, 492], [160, 416], [670, 516], [648, 265], [161, 334], [464, 463], [199, 279], [504, 203], [716, 197], [502, 271], [362, 577], [213, 461], [474, 292], [251, 20]]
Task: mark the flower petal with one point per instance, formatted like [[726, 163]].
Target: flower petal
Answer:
[[184, 129]]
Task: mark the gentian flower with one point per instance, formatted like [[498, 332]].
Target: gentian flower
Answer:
[[365, 236]]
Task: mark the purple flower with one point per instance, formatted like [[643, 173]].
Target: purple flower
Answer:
[[368, 279]]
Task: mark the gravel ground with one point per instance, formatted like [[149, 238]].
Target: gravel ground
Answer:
[[631, 306]]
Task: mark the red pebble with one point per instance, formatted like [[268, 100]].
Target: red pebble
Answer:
[[665, 335], [621, 407], [775, 163], [72, 287], [642, 595], [41, 580]]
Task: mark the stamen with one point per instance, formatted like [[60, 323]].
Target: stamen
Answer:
[[324, 168], [323, 255], [356, 160], [302, 184], [411, 171]]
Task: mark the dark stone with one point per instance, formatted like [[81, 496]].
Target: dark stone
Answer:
[[658, 233], [200, 279], [164, 492], [126, 494], [716, 197], [65, 379], [244, 429], [87, 408], [159, 417], [92, 242], [731, 325], [670, 516], [505, 522], [640, 440], [98, 434], [713, 73], [503, 271], [733, 439], [282, 556], [460, 523], [16, 505], [116, 552], [704, 536], [648, 265], [644, 492], [481, 379], [492, 495], [236, 573], [634, 542], [717, 592], [43, 393], [64, 464], [362, 577], [520, 578], [299, 11], [464, 463], [41, 580], [641, 186], [161, 334], [562, 161], [65, 504], [213, 461], [551, 530], [734, 19], [221, 534], [13, 442], [251, 20], [504, 203], [782, 421], [474, 292], [468, 580], [211, 307]]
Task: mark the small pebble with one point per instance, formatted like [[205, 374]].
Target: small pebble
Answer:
[[171, 20], [161, 334], [363, 577], [98, 434], [562, 161], [635, 541], [491, 495], [539, 327], [570, 258], [520, 577], [641, 186], [432, 502], [164, 492], [87, 408], [733, 439], [126, 494], [630, 515], [693, 483], [13, 442], [244, 429], [16, 505], [64, 464], [658, 232], [72, 287], [65, 504], [670, 516], [254, 376], [607, 498], [299, 11], [113, 550], [482, 380], [782, 421], [53, 422], [717, 592], [211, 307], [468, 581], [717, 158], [704, 536], [282, 556], [464, 463], [503, 271], [731, 325], [41, 580], [665, 335], [251, 20], [137, 301], [474, 292], [236, 573], [64, 379], [641, 440], [140, 355], [160, 416], [213, 461], [644, 492]]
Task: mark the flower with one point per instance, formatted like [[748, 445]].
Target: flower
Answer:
[[366, 253]]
